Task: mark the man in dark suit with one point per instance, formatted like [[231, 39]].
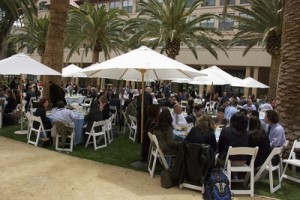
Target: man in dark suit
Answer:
[[147, 102], [56, 94]]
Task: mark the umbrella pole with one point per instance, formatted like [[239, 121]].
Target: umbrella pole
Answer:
[[142, 109]]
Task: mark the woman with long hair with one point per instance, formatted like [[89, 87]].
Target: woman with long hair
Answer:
[[259, 138], [203, 132], [164, 133], [235, 135], [11, 101]]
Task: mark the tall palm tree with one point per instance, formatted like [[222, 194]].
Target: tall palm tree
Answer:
[[98, 29], [54, 52], [262, 24], [170, 23], [289, 80], [10, 11], [33, 35]]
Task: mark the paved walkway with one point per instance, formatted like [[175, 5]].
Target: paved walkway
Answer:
[[28, 172]]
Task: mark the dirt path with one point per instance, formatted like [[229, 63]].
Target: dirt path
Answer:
[[28, 172]]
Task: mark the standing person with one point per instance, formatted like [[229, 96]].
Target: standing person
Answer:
[[56, 94], [167, 90], [14, 83], [274, 130], [147, 101]]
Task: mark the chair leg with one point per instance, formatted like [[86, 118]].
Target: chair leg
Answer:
[[87, 142]]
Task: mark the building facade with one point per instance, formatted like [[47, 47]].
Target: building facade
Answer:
[[255, 63]]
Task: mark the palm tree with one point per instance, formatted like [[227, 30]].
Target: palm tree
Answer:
[[170, 23], [98, 29], [10, 11], [262, 24], [289, 80], [54, 52], [33, 35]]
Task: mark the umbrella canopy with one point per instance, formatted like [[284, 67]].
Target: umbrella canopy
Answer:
[[129, 66], [23, 64], [252, 83], [72, 71], [144, 64], [215, 76]]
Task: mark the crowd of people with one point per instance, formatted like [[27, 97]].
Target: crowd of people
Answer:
[[238, 117]]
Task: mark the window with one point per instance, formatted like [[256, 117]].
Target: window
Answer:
[[42, 5], [244, 2], [127, 5], [226, 24], [209, 23], [230, 2], [209, 3], [114, 4], [189, 4], [101, 4]]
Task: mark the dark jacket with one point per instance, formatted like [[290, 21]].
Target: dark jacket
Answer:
[[193, 162], [202, 137], [41, 112], [11, 105], [96, 115], [261, 140], [56, 94], [230, 137], [165, 139]]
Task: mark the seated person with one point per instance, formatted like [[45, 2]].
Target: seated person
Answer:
[[171, 102], [177, 116], [11, 102], [192, 118], [30, 93], [236, 136], [62, 119], [258, 138], [41, 112], [164, 133], [98, 113], [220, 120], [203, 132], [131, 109], [274, 130], [249, 105]]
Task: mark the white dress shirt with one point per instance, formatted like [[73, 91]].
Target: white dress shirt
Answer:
[[178, 119]]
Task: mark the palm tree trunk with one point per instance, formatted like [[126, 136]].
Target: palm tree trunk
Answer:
[[54, 52], [273, 77], [288, 102], [3, 36], [95, 57]]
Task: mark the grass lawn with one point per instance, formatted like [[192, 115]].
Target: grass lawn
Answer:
[[122, 152]]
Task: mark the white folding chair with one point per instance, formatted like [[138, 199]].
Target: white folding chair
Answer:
[[109, 128], [156, 152], [125, 122], [133, 128], [268, 167], [116, 116], [247, 151], [39, 132], [207, 107], [87, 104], [99, 125], [68, 145], [294, 162]]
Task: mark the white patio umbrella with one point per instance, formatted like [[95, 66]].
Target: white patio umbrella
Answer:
[[22, 64], [252, 83], [144, 64], [72, 71]]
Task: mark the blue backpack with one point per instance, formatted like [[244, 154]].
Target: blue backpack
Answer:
[[217, 186]]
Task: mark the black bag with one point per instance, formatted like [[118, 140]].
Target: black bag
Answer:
[[166, 180], [217, 186], [44, 142]]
